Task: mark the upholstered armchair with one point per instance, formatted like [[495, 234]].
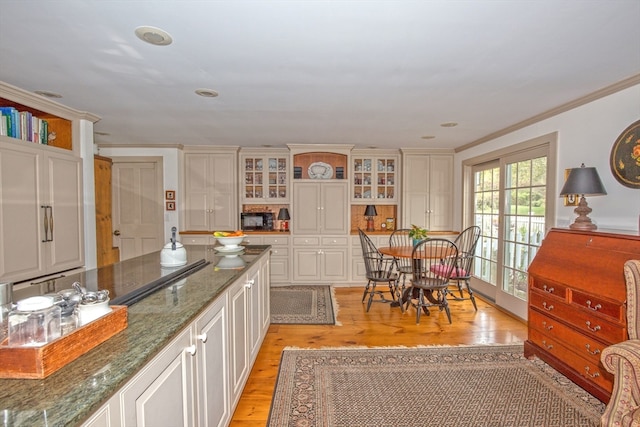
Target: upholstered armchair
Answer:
[[623, 360]]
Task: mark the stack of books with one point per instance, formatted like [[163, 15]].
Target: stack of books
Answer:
[[23, 125]]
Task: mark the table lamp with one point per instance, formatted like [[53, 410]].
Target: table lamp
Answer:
[[283, 216], [583, 181], [370, 212]]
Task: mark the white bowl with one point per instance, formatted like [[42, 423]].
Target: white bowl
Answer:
[[231, 242]]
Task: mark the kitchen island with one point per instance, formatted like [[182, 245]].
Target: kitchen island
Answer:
[[183, 358]]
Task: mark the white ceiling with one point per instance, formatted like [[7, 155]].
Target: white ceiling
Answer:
[[371, 73]]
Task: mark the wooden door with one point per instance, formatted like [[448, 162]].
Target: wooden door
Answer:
[[105, 252], [138, 205]]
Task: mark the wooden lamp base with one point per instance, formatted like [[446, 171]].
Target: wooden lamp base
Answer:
[[583, 222]]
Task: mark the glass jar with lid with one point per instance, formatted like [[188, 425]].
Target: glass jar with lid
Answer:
[[34, 322]]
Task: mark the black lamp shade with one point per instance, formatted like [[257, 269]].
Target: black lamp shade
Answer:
[[283, 214], [583, 181], [370, 211]]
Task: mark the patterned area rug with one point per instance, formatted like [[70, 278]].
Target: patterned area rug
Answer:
[[302, 305], [489, 386]]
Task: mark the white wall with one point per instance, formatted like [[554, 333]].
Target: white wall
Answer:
[[585, 135], [170, 166]]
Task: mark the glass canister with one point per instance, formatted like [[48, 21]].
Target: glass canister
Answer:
[[34, 322]]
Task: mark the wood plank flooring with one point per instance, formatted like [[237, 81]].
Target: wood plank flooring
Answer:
[[381, 326]]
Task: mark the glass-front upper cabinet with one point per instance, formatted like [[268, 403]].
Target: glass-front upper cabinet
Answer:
[[374, 179], [264, 178]]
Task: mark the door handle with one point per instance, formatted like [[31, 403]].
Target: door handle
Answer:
[[116, 233]]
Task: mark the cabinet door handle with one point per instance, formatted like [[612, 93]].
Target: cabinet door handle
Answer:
[[594, 352], [548, 290], [45, 223], [202, 337], [51, 222], [595, 307], [191, 350], [249, 283], [594, 329], [548, 346], [544, 304]]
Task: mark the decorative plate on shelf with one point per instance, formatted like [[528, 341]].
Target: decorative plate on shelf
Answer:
[[625, 157], [320, 170]]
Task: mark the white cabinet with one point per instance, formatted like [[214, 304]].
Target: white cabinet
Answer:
[[265, 177], [358, 270], [320, 258], [41, 211], [375, 178], [210, 191], [320, 208], [427, 190], [198, 378], [212, 373]]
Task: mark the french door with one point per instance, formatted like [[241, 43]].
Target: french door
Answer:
[[509, 201]]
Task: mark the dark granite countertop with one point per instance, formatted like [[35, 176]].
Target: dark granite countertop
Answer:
[[69, 396]]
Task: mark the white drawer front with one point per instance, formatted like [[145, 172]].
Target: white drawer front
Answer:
[[276, 240], [335, 241], [279, 252], [306, 241]]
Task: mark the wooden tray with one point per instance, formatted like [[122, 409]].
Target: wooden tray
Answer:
[[40, 362]]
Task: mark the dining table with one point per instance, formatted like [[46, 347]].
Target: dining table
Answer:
[[407, 252]]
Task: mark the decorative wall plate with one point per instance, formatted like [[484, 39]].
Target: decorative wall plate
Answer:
[[625, 157], [320, 170]]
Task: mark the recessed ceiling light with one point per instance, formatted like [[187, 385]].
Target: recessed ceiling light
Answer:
[[154, 36], [427, 137], [449, 124], [48, 94], [207, 93]]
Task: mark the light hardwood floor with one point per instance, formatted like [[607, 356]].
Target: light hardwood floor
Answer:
[[381, 326]]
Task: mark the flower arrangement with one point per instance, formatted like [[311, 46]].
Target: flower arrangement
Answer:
[[418, 233]]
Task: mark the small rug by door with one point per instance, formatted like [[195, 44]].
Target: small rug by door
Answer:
[[305, 305], [488, 386]]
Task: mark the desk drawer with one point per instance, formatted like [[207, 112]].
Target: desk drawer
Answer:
[[549, 288], [589, 323], [592, 371], [601, 306], [581, 344]]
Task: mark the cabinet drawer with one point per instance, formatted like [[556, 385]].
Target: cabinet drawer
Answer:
[[583, 345], [306, 241], [554, 289], [195, 240], [276, 240], [253, 240], [588, 323], [279, 252], [604, 307], [592, 371], [335, 241]]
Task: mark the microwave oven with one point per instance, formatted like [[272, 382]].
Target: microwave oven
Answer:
[[256, 221]]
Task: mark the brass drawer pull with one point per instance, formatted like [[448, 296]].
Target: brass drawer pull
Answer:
[[548, 346], [594, 352], [595, 329], [595, 307], [548, 328], [544, 304], [587, 371], [549, 290]]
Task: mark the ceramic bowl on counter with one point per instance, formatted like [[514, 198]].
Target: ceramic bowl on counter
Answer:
[[230, 242]]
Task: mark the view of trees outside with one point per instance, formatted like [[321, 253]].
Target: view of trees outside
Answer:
[[524, 214], [487, 215], [522, 217]]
